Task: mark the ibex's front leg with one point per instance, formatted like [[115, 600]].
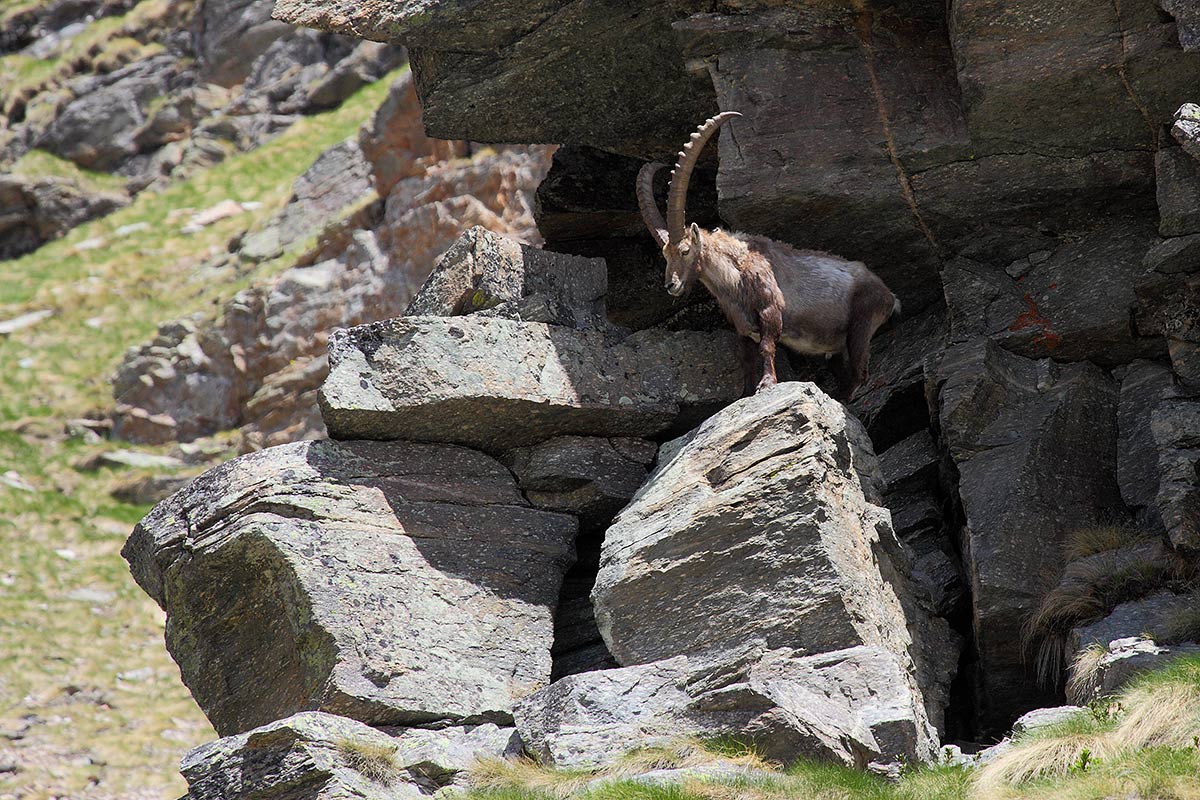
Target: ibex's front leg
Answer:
[[770, 325]]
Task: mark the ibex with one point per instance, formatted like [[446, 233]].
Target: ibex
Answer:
[[813, 302]]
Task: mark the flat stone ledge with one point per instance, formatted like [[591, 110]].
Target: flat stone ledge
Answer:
[[496, 384]]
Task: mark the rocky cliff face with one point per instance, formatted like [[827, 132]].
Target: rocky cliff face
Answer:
[[1017, 484]]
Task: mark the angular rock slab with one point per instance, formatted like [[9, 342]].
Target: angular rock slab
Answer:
[[485, 271], [852, 706], [496, 383], [393, 583], [316, 756], [1034, 443], [760, 525]]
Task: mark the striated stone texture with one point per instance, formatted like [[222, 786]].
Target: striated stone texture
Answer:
[[390, 583], [496, 383]]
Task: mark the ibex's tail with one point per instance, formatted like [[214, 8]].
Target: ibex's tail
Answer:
[[896, 310]]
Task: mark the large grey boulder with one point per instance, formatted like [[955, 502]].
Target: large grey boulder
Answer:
[[1034, 443], [495, 383], [317, 756], [852, 706], [762, 528], [756, 527], [393, 583]]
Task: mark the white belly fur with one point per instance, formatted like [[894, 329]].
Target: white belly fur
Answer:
[[808, 346]]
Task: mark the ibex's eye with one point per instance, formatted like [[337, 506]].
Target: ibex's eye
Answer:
[[684, 249]]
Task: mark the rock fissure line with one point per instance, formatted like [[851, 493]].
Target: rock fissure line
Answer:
[[864, 23], [1120, 67]]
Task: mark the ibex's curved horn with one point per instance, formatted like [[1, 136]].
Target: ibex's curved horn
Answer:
[[682, 174], [645, 195]]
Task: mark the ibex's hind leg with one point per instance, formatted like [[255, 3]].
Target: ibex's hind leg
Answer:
[[839, 365], [869, 308]]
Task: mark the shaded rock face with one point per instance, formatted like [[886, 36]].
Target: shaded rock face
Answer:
[[593, 478], [318, 756], [288, 577], [1000, 417]]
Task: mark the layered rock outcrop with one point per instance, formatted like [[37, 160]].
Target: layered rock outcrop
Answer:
[[423, 585], [1044, 385], [958, 151], [753, 588]]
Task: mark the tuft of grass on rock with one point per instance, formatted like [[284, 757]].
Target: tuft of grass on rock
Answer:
[[1092, 585], [1084, 542], [1156, 716], [375, 761]]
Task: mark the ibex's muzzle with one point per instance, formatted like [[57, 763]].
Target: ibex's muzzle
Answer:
[[675, 287]]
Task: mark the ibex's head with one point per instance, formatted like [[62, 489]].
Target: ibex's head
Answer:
[[681, 244]]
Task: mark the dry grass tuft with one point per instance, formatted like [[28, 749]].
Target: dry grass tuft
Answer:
[[1158, 716], [1155, 718], [1085, 674], [528, 775], [1084, 542], [1042, 758], [1090, 588], [373, 760]]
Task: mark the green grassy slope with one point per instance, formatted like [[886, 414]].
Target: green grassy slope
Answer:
[[90, 704]]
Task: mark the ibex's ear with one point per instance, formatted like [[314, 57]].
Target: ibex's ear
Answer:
[[696, 242]]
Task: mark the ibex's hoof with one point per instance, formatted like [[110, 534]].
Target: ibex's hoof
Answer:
[[766, 383]]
